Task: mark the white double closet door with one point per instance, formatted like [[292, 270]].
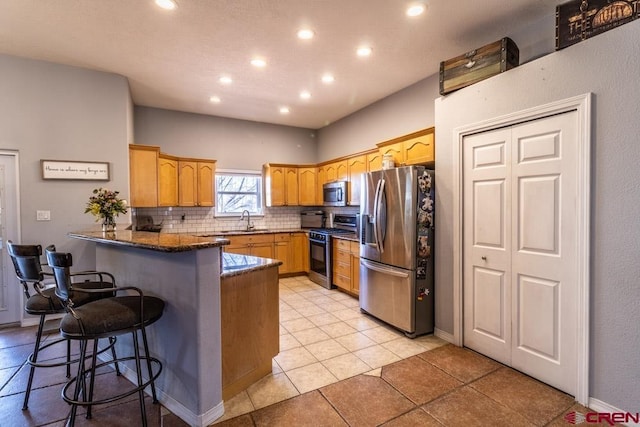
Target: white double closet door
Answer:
[[520, 252]]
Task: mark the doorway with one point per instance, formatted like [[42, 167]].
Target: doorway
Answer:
[[10, 295], [521, 223]]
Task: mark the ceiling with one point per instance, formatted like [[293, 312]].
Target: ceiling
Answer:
[[174, 59]]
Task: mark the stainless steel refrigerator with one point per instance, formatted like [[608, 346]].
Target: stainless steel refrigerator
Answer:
[[396, 241]]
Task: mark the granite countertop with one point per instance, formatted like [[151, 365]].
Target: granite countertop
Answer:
[[161, 242], [236, 264], [346, 236], [244, 233]]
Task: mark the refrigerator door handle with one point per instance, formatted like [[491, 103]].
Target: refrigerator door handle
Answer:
[[383, 270], [381, 216], [375, 216]]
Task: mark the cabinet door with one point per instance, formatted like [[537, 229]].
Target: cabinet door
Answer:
[[355, 268], [321, 180], [332, 171], [275, 185], [357, 166], [263, 250], [299, 252], [206, 175], [374, 161], [143, 176], [291, 186], [167, 181], [282, 252], [419, 150], [187, 183], [307, 186], [342, 170], [238, 249], [396, 150]]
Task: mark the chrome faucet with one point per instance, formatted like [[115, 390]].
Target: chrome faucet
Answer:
[[249, 225]]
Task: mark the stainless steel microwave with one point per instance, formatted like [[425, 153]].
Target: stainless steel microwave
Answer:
[[334, 193]]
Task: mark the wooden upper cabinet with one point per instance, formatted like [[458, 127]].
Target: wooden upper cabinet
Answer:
[[167, 180], [356, 166], [342, 170], [420, 149], [143, 175], [374, 161], [395, 150], [206, 176], [321, 179], [416, 148], [331, 172], [291, 186], [195, 182], [281, 185], [307, 186]]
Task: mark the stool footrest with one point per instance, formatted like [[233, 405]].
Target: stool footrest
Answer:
[[154, 362]]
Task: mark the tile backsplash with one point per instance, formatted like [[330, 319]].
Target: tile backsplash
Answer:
[[202, 220]]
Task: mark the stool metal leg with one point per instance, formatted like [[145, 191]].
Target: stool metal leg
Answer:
[[68, 358], [113, 353], [92, 377], [33, 359], [149, 370], [140, 381], [79, 385]]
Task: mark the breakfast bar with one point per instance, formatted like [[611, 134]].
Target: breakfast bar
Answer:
[[185, 271]]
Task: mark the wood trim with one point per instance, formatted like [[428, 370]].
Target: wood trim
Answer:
[[406, 137]]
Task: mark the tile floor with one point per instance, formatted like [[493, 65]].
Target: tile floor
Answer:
[[336, 367]]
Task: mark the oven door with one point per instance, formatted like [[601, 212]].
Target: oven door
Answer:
[[319, 263]]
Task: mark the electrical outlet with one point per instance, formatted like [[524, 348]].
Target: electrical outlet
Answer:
[[43, 215]]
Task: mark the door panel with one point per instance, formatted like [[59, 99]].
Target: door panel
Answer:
[[387, 293], [487, 288], [544, 260], [520, 260], [538, 325]]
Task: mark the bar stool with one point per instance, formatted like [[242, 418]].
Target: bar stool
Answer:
[[106, 317], [26, 261]]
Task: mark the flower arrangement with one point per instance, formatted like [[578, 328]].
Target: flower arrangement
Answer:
[[105, 206]]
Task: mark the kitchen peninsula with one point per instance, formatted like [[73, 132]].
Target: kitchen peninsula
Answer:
[[186, 271]]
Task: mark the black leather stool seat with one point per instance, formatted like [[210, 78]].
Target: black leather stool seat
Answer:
[[46, 302], [110, 316]]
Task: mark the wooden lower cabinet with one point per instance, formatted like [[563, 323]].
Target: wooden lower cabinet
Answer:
[[255, 244], [250, 329], [290, 248], [346, 265]]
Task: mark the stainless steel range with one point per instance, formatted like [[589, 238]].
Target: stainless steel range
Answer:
[[320, 270]]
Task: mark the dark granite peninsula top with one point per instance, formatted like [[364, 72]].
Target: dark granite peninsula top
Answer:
[[161, 242], [236, 264]]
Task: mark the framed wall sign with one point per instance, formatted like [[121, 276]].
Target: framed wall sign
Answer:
[[74, 170]]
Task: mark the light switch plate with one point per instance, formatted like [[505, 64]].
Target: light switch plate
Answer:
[[43, 215]]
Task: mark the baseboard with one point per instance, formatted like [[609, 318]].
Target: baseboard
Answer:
[[176, 408], [444, 335], [603, 407]]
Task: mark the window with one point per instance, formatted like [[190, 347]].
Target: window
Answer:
[[237, 191]]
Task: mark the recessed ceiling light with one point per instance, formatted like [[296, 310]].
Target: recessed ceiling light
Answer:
[[167, 4], [416, 9], [363, 51], [305, 94], [258, 62], [328, 78], [215, 99], [305, 34], [284, 110], [225, 80]]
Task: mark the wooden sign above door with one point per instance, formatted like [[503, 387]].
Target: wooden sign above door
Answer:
[[579, 20]]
